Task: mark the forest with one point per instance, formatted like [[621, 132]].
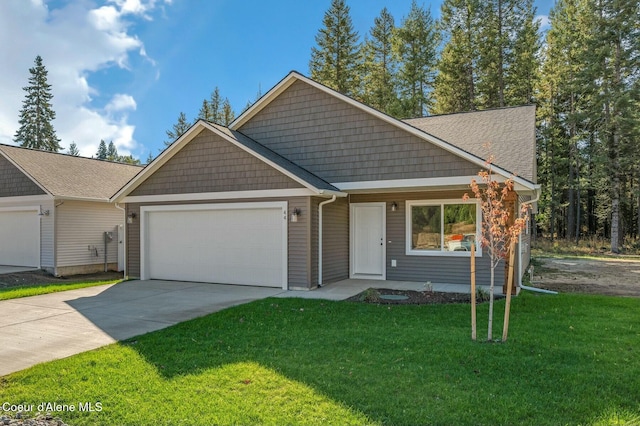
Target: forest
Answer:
[[581, 72]]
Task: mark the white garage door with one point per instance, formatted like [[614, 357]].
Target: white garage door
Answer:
[[19, 238], [231, 244]]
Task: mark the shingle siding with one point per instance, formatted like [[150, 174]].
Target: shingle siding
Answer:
[[209, 163], [341, 143], [14, 182]]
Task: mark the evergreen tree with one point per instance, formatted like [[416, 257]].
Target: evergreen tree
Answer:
[[227, 113], [102, 150], [73, 149], [205, 111], [128, 159], [335, 60], [415, 44], [380, 66], [149, 158], [36, 128], [112, 152], [455, 88], [178, 129]]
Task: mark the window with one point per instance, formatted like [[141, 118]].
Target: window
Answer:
[[442, 227]]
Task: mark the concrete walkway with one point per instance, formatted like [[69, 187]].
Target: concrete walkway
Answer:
[[52, 326]]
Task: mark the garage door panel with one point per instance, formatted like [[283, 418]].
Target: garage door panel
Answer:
[[19, 238], [223, 245]]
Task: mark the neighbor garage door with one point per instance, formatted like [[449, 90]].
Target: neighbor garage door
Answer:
[[19, 238], [219, 243]]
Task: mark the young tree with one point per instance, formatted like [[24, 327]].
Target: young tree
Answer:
[[36, 116], [102, 150], [415, 44], [227, 113], [73, 149], [335, 60], [380, 66], [499, 226], [177, 130]]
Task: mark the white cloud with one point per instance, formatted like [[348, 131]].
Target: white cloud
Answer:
[[74, 40], [120, 102]]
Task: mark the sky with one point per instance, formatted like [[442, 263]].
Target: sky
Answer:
[[123, 70]]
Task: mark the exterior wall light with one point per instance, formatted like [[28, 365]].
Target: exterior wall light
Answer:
[[394, 206], [131, 217], [294, 214], [43, 212]]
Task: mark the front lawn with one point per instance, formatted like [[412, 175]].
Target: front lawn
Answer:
[[35, 290], [570, 359]]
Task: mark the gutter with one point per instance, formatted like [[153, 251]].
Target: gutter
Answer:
[[538, 193], [124, 236], [333, 198]]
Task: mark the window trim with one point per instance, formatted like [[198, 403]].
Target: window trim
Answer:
[[409, 251]]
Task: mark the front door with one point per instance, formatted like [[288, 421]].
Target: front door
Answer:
[[368, 240]]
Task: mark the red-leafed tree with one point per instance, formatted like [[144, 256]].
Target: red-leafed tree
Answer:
[[499, 228]]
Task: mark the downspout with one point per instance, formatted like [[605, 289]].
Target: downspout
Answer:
[[526, 287], [333, 198], [124, 236]]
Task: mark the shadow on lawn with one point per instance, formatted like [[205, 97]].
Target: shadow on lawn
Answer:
[[410, 364]]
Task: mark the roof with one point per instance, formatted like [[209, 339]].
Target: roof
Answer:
[[68, 176], [510, 132], [518, 133]]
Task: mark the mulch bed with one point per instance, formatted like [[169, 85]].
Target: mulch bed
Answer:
[[40, 277], [376, 295]]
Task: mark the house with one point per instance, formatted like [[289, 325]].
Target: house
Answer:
[[55, 212], [309, 187]]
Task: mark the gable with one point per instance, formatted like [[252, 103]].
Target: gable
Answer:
[[14, 182], [208, 163], [342, 143]]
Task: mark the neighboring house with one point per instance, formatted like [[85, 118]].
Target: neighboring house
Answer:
[[309, 187], [55, 211]]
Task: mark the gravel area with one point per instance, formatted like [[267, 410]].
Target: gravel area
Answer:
[[38, 420]]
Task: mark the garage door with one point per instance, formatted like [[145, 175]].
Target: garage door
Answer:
[[219, 243], [19, 238]]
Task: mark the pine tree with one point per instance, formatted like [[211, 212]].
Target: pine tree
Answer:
[[227, 113], [149, 158], [178, 129], [455, 88], [380, 66], [205, 111], [36, 128], [102, 150], [335, 60], [73, 149], [112, 152], [415, 44]]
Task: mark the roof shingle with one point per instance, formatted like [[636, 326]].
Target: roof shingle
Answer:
[[510, 131], [68, 176]]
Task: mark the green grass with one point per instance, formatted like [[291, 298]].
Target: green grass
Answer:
[[35, 290], [569, 360]]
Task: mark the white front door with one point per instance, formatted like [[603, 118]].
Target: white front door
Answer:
[[368, 240]]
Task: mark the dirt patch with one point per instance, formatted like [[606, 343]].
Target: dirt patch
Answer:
[[613, 277], [39, 277], [385, 296]]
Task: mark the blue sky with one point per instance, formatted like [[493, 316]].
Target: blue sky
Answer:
[[122, 70]]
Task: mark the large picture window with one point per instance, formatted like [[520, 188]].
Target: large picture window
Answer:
[[445, 227]]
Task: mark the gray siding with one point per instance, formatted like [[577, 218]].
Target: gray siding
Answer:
[[14, 182], [340, 143], [298, 235], [436, 269], [80, 225], [208, 163], [335, 240]]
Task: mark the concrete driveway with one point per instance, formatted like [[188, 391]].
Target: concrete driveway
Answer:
[[52, 326]]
